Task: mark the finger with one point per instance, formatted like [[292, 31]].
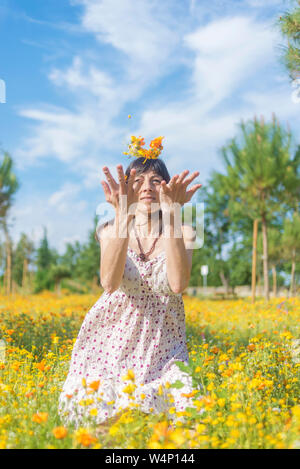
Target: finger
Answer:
[[172, 182], [191, 177], [110, 179], [130, 179], [164, 185], [106, 189], [121, 177], [182, 176], [192, 191]]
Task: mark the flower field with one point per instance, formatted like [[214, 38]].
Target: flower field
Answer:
[[245, 358]]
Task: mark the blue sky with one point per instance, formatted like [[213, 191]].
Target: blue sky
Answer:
[[189, 70]]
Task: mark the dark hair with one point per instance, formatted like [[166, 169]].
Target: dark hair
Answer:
[[156, 165]]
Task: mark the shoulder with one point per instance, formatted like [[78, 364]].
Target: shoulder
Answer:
[[103, 229]]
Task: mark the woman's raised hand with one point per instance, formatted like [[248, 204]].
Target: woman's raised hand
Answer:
[[113, 190], [176, 190]]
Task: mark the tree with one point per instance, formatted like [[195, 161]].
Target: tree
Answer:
[[289, 24], [217, 222], [275, 250], [291, 245], [21, 260], [88, 259], [56, 273], [43, 262], [8, 187], [259, 173]]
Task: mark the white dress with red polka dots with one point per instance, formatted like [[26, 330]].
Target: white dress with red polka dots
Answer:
[[139, 327]]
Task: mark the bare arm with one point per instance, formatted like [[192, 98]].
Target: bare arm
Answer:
[[179, 253], [113, 253], [114, 239]]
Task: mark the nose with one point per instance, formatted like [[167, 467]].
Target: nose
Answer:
[[147, 185]]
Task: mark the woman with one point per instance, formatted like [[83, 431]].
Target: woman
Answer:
[[130, 340]]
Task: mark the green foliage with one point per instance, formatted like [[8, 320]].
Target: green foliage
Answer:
[[289, 24]]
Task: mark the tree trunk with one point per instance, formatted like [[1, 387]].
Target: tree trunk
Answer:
[[265, 258], [58, 287], [8, 269], [259, 284], [274, 280], [224, 281], [293, 273], [25, 269], [255, 223]]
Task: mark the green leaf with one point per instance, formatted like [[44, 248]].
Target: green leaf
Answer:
[[183, 367], [178, 384]]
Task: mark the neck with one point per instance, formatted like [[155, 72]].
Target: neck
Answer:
[[147, 225]]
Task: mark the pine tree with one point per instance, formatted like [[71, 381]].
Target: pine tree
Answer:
[[259, 173], [289, 24]]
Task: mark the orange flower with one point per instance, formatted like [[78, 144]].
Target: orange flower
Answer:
[[156, 143], [135, 148], [85, 438], [190, 394], [60, 432], [161, 429], [251, 347], [69, 396], [41, 365], [40, 417], [94, 385]]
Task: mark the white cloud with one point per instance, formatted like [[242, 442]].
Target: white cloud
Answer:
[[64, 201], [135, 28], [228, 51], [64, 214]]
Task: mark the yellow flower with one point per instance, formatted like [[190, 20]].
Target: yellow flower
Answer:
[[129, 377], [221, 402], [177, 436], [113, 430], [94, 412], [234, 433], [129, 389]]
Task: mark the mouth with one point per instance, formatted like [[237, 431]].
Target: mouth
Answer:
[[147, 198]]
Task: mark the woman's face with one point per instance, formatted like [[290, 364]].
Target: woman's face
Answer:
[[149, 190]]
